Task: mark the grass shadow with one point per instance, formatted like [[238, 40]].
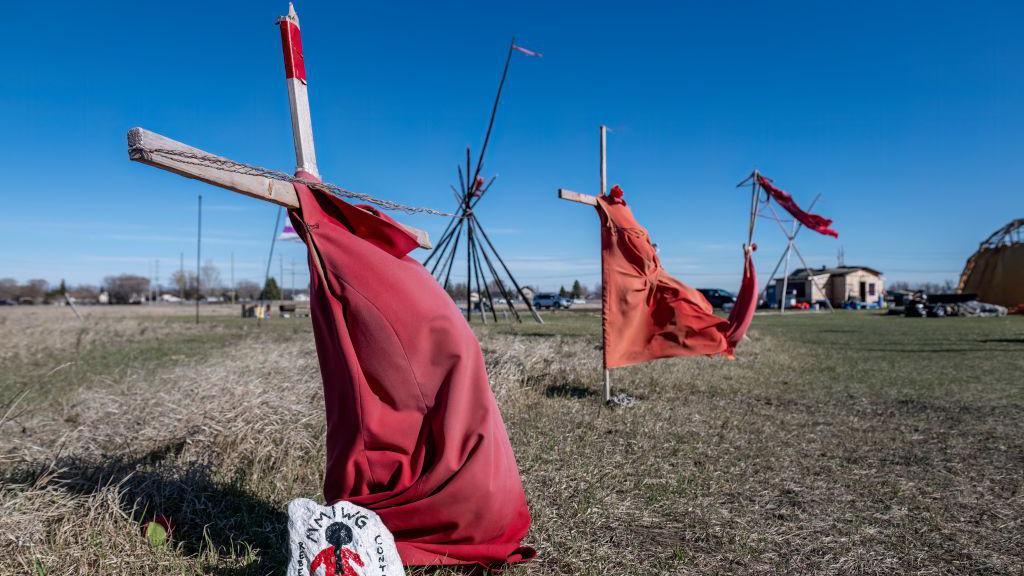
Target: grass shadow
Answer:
[[568, 391], [209, 516], [1002, 340]]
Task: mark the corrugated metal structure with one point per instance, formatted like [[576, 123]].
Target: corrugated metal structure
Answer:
[[996, 271]]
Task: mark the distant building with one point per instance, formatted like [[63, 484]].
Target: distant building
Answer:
[[838, 285]]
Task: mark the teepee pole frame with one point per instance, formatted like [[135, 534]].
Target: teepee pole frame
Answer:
[[465, 223]]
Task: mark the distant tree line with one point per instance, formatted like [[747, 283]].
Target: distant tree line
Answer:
[[35, 290], [457, 290], [134, 289], [945, 287]]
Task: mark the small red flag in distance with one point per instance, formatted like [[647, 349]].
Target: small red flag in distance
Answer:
[[527, 51]]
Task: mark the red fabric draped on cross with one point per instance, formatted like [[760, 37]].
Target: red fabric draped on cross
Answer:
[[413, 431], [649, 314], [819, 224]]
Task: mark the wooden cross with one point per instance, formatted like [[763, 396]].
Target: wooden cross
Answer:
[[592, 201], [162, 152]]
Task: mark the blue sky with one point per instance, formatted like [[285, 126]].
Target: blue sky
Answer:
[[907, 117]]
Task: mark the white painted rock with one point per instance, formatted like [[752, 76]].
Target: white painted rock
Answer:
[[343, 539]]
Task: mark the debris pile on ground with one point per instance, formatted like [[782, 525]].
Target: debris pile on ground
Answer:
[[921, 305]]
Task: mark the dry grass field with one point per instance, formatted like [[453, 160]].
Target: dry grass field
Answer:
[[849, 443]]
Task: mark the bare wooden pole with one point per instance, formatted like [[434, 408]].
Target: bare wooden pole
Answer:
[[604, 281], [451, 260], [753, 207], [469, 273], [469, 238], [592, 201], [298, 96], [483, 280], [442, 251], [501, 285], [604, 159], [475, 273], [494, 112]]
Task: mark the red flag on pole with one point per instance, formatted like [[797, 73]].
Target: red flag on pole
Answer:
[[649, 314], [819, 224]]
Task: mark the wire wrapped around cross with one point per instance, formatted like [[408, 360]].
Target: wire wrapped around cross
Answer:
[[136, 143]]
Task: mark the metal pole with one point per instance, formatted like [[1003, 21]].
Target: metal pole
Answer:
[[812, 278], [604, 282], [771, 278], [181, 278], [199, 254], [791, 244], [270, 258], [785, 278]]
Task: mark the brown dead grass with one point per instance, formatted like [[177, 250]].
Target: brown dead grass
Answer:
[[834, 445]]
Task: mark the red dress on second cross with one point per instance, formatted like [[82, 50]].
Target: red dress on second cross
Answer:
[[647, 313], [413, 431]]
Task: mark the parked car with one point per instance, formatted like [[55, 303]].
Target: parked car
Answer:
[[550, 300], [718, 297]]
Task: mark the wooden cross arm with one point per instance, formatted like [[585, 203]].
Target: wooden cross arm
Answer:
[[577, 197], [146, 147]]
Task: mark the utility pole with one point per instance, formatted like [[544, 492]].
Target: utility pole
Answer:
[[199, 253], [181, 278], [234, 292]]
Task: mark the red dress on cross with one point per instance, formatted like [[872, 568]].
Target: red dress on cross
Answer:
[[413, 430]]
